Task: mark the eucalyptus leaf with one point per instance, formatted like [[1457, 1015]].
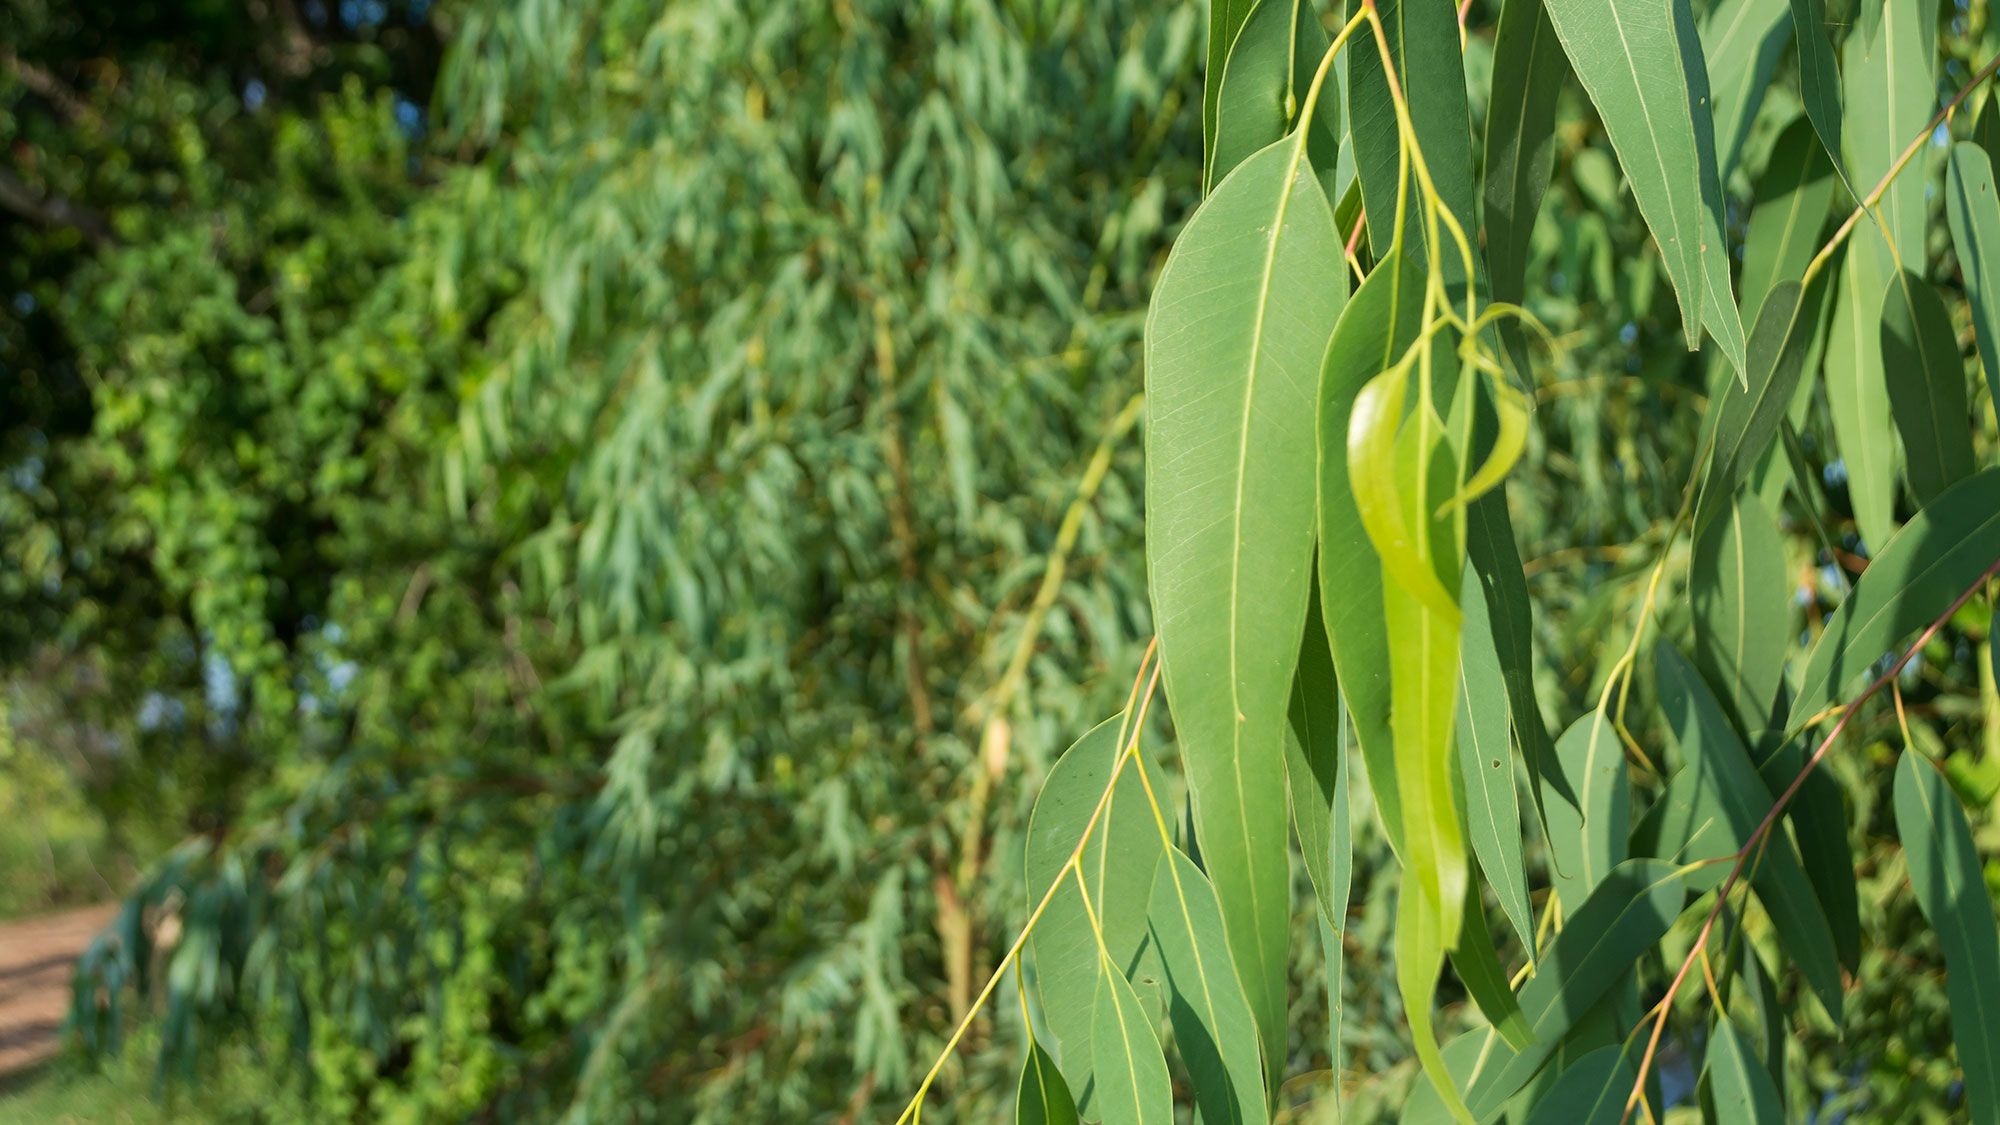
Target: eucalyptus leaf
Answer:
[[1793, 197], [1926, 387], [1133, 1085], [1486, 763], [1270, 65], [1423, 46], [1740, 41], [1588, 838], [1314, 757], [1857, 395], [1819, 74], [1529, 72], [1742, 613], [1972, 207], [1590, 1091], [1214, 1031], [1738, 1086], [1042, 1098]]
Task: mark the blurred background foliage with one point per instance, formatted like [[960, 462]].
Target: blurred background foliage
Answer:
[[557, 540]]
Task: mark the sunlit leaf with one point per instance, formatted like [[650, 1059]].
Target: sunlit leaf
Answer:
[[1133, 1086], [1739, 1089], [1946, 874], [1750, 412], [1742, 612], [1235, 336], [1927, 394], [1590, 1091], [1588, 838], [1042, 1098], [1486, 763], [1214, 1031], [1793, 197], [1857, 395], [1973, 209]]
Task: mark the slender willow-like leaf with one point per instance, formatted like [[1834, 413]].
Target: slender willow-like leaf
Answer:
[[1270, 66], [1133, 1086], [1590, 1091], [1926, 387], [1477, 960], [1740, 42], [1637, 60], [1588, 838], [1313, 761], [1118, 865], [1750, 412], [1739, 1088], [1529, 71], [1857, 395], [1225, 19], [1819, 75], [1890, 97], [1793, 196], [1490, 544], [1213, 1028], [1946, 873], [1728, 798], [1915, 577], [1420, 949], [1381, 320], [1423, 42], [1972, 207], [1486, 763], [1235, 336], [1819, 819], [1042, 1097], [1742, 613]]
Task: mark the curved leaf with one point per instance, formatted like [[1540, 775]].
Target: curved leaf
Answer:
[[1972, 207], [1132, 1083], [1819, 75], [1590, 1091], [1945, 873], [1486, 763], [1313, 761], [1238, 327], [1042, 1098], [1213, 1028], [1423, 42], [1742, 613], [1740, 42], [1750, 412], [1793, 197], [1529, 71], [1915, 577], [1739, 1087], [1926, 387], [1588, 838], [1270, 65], [1857, 395], [1225, 19]]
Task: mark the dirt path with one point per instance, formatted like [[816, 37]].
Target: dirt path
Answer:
[[36, 955]]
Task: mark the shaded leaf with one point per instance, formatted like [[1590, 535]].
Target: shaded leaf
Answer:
[[1857, 395], [1590, 1091], [1926, 387], [1742, 612], [1793, 197], [1972, 207], [1477, 961], [1914, 578], [1042, 1097], [1490, 545], [1225, 19], [1270, 65], [1739, 1088], [1213, 1028], [1423, 42], [1819, 75], [1133, 1086], [1313, 761], [1529, 70], [1945, 873], [1740, 42], [1486, 763], [1588, 838]]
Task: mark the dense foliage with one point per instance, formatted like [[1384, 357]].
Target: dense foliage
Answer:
[[592, 523]]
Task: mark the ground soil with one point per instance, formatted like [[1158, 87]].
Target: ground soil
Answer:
[[36, 958]]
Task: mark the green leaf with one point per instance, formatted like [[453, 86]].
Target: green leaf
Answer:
[[1490, 544], [1857, 394], [1235, 336], [1740, 42], [1378, 324], [1213, 1028], [1133, 1086], [1313, 761], [1751, 411], [1718, 788], [1630, 910], [1939, 554], [1927, 392], [1423, 42], [1590, 1091], [1529, 71], [1986, 131], [1819, 819], [1945, 873], [1118, 866], [1973, 209], [1225, 19], [1645, 74], [1476, 957], [1739, 1087], [1420, 948], [1486, 763], [1270, 65], [1742, 612], [1793, 197], [1819, 75], [1042, 1097], [1587, 838], [1890, 98]]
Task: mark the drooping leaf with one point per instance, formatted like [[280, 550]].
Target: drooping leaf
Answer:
[[1819, 74], [1913, 579], [1270, 65], [1946, 874], [1926, 387], [1588, 838], [1972, 207], [1819, 820], [1420, 950], [1638, 62], [1213, 1028], [1489, 532], [1476, 958], [1590, 1091], [1423, 44], [1739, 1088], [1890, 96], [1793, 197], [1376, 327], [1486, 763], [1742, 612], [1718, 789], [1529, 70], [1118, 866], [1225, 19], [1132, 1083], [1235, 336], [1740, 42], [1750, 412], [1314, 757], [1857, 394], [1042, 1098]]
